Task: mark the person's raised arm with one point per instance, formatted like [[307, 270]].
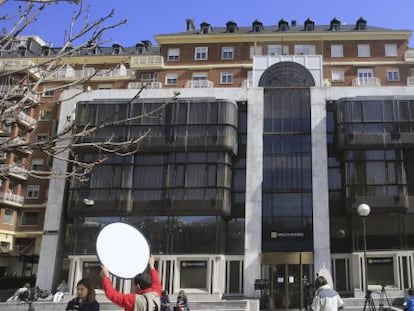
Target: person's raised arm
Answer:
[[156, 282], [126, 301]]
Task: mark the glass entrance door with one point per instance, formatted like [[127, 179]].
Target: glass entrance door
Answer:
[[287, 286]]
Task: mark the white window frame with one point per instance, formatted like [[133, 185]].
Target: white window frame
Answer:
[[8, 219], [45, 114], [365, 73], [337, 50], [197, 76], [42, 137], [364, 50], [88, 71], [226, 77], [338, 75], [201, 53], [48, 91], [391, 50], [393, 75], [255, 50], [169, 77], [227, 53], [34, 191], [37, 164], [305, 49], [173, 55]]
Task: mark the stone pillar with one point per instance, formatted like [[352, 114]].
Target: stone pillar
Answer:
[[50, 260], [254, 177], [321, 233]]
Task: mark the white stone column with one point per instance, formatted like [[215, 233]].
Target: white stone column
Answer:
[[254, 177], [53, 232], [321, 234]]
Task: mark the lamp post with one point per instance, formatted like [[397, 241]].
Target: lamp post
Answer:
[[363, 211]]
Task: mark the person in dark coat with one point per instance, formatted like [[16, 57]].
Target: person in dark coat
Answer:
[[165, 301], [85, 297]]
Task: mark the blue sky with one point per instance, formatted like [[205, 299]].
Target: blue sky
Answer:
[[151, 17]]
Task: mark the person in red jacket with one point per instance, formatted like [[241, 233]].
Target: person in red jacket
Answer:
[[144, 283]]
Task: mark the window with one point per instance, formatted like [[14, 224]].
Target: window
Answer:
[[338, 76], [393, 75], [45, 114], [255, 50], [4, 247], [173, 55], [37, 164], [30, 218], [364, 50], [200, 76], [193, 274], [226, 77], [8, 217], [277, 49], [390, 50], [337, 50], [201, 53], [88, 71], [305, 49], [227, 53], [149, 77], [41, 137], [171, 79], [106, 86], [33, 191], [48, 91]]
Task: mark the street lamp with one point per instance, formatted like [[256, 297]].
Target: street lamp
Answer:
[[363, 211]]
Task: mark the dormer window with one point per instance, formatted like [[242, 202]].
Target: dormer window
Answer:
[[283, 25], [231, 27], [335, 25], [309, 25], [361, 24], [45, 51], [116, 49], [205, 28], [139, 48], [22, 51], [257, 26]]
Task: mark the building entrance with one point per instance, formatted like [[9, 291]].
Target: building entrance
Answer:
[[289, 286]]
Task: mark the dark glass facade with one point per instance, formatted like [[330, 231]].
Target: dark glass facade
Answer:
[[177, 185], [287, 171], [370, 150]]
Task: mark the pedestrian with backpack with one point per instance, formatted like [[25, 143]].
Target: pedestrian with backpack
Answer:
[[146, 294], [326, 298]]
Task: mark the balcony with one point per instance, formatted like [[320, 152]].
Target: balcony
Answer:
[[409, 55], [23, 65], [69, 74], [147, 61], [366, 81], [14, 170], [410, 81], [15, 91], [26, 121], [147, 85], [11, 199], [20, 144], [199, 84]]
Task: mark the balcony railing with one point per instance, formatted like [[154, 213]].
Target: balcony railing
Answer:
[[366, 81], [14, 170], [410, 81], [26, 120], [409, 55], [199, 84], [103, 74], [20, 65], [12, 90], [11, 199], [147, 61], [147, 85], [20, 144]]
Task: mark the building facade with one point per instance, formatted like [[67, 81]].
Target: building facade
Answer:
[[250, 151]]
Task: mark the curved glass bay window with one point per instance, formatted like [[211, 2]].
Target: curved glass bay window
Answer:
[[375, 121]]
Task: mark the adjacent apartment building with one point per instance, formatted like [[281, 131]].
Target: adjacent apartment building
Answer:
[[250, 150]]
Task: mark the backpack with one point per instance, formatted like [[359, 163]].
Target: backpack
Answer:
[[147, 302]]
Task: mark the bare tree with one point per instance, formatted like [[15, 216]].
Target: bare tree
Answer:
[[22, 83]]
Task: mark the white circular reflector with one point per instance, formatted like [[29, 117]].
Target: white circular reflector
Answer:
[[122, 249]]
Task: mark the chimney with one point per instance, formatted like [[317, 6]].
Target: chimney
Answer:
[[293, 23], [190, 24]]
